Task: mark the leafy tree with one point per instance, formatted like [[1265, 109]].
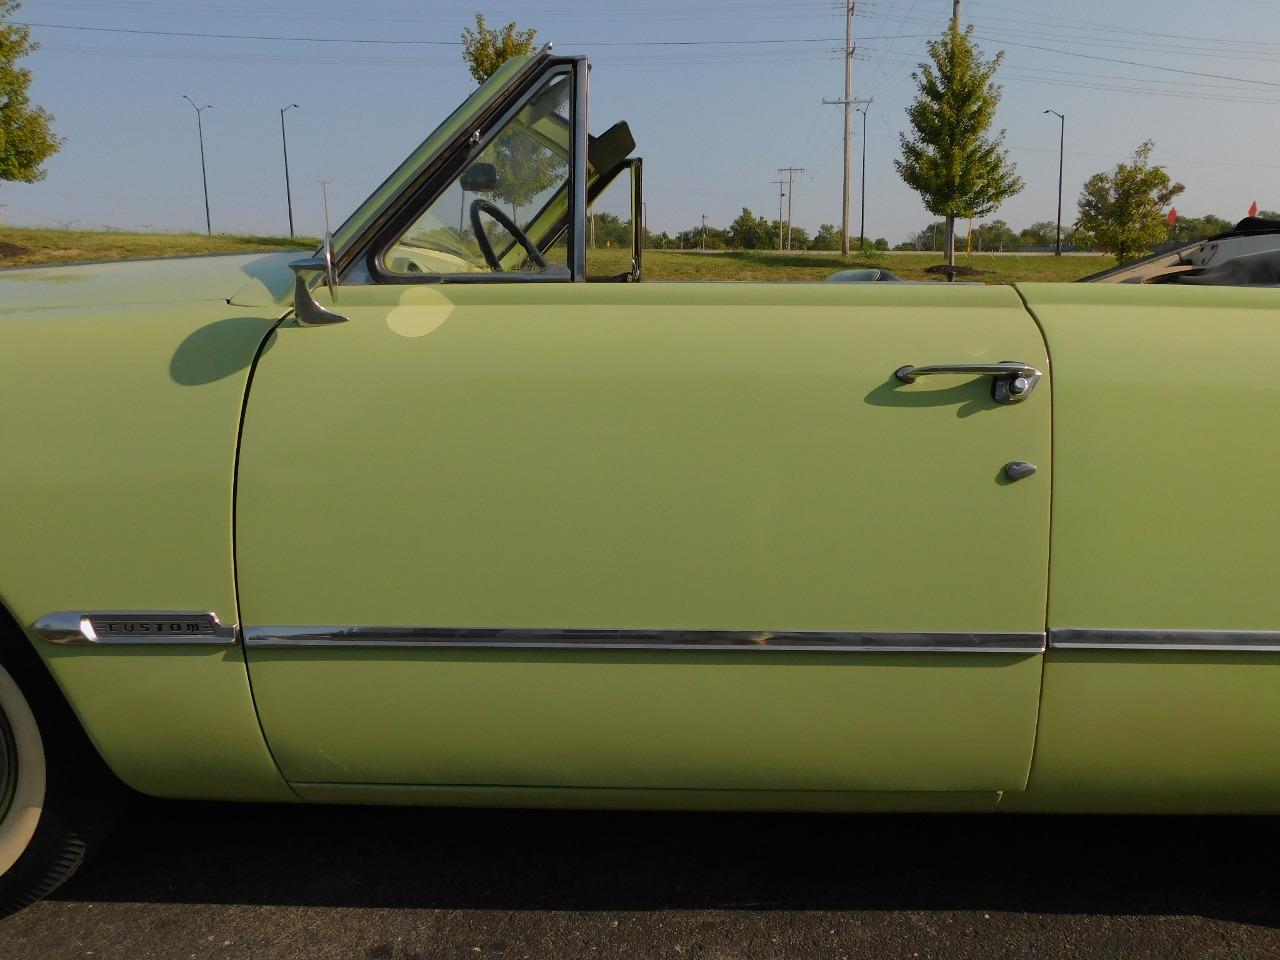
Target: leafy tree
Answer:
[[949, 160], [609, 230], [1191, 229], [927, 239], [827, 238], [692, 239], [1124, 210], [486, 49], [749, 232], [799, 236], [1042, 234], [659, 240], [27, 139], [865, 244], [996, 235], [1269, 214], [525, 168]]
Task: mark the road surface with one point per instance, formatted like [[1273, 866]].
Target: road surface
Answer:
[[201, 881]]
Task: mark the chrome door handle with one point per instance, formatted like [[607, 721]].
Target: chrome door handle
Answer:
[[1012, 381]]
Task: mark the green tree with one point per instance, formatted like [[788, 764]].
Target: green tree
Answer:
[[693, 238], [1124, 210], [996, 235], [27, 139], [525, 167], [798, 236], [749, 232], [1041, 234], [930, 238], [486, 49], [949, 160], [827, 238], [1191, 229], [609, 230]]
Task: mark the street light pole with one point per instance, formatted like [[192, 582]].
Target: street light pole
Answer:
[[1062, 152], [284, 142], [204, 176]]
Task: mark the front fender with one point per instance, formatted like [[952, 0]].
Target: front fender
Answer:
[[121, 425]]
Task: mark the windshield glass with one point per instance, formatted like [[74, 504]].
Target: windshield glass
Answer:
[[519, 171]]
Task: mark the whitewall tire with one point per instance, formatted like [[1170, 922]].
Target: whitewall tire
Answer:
[[22, 772]]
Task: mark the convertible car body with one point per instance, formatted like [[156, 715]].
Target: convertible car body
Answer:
[[430, 518]]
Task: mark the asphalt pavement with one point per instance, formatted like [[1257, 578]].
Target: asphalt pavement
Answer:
[[186, 880]]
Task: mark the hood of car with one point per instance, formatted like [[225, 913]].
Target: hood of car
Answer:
[[254, 279]]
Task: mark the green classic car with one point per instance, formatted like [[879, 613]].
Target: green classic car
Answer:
[[431, 518]]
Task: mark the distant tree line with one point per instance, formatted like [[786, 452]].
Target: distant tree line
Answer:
[[752, 232], [998, 236]]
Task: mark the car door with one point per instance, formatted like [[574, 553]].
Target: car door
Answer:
[[647, 536]]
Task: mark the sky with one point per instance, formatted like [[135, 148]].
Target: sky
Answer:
[[719, 94]]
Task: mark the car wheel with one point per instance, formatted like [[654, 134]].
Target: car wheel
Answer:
[[56, 798]]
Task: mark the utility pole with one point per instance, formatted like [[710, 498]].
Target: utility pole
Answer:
[[1062, 153], [955, 12], [849, 103], [704, 231], [284, 142], [781, 193], [791, 190], [204, 176], [862, 230]]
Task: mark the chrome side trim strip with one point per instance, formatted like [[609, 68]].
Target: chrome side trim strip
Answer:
[[285, 637], [134, 627], [1220, 641]]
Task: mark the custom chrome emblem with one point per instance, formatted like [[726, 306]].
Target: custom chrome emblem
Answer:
[[134, 626], [147, 625]]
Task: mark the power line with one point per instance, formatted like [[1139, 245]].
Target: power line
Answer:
[[431, 43], [1133, 63]]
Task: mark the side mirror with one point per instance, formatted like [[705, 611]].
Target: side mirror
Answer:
[[305, 309], [479, 178]]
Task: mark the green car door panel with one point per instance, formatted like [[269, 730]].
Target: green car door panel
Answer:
[[1162, 693], [674, 457], [121, 417]]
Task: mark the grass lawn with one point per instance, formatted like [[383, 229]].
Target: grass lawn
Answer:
[[20, 246], [818, 265]]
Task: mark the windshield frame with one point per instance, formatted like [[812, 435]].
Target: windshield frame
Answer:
[[450, 164]]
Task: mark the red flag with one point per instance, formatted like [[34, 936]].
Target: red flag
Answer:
[[1173, 216], [1253, 211]]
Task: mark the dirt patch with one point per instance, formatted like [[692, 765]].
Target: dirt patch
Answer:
[[12, 251], [943, 270]]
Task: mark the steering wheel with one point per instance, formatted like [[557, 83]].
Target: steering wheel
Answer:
[[479, 206]]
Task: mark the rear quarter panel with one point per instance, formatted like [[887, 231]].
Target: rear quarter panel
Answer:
[[1166, 453]]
